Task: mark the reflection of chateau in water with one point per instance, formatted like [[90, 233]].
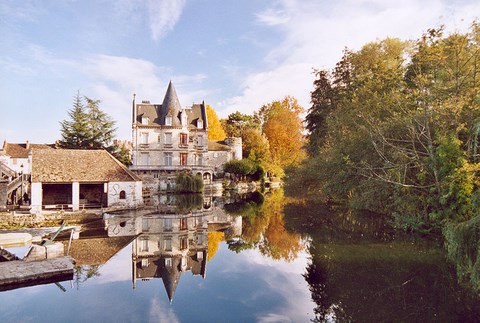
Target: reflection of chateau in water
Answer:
[[173, 239]]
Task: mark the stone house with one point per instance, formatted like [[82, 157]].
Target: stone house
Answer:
[[168, 138], [223, 151], [76, 179], [15, 157]]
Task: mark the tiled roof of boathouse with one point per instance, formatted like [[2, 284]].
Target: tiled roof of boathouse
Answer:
[[74, 165]]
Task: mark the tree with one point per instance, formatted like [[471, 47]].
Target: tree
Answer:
[[237, 123], [102, 126], [255, 145], [215, 128], [323, 102], [121, 153], [88, 128], [282, 126], [75, 133]]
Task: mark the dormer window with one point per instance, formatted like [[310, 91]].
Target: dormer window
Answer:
[[200, 124], [168, 120], [145, 120], [184, 118]]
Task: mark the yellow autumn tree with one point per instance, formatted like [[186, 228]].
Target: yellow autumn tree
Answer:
[[282, 125], [215, 128], [214, 239]]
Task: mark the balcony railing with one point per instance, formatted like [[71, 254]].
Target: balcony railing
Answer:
[[171, 167]]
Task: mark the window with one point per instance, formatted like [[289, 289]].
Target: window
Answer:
[[199, 160], [200, 124], [145, 120], [167, 224], [183, 224], [123, 195], [168, 138], [168, 120], [183, 139], [168, 262], [144, 159], [167, 243], [168, 159], [145, 224], [183, 159], [144, 262], [144, 245], [183, 243], [184, 118], [200, 140], [144, 138]]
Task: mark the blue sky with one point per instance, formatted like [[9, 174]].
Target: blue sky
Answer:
[[234, 55]]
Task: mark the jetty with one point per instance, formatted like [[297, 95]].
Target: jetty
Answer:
[[20, 273]]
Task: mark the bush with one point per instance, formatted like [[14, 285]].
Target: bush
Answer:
[[185, 183]]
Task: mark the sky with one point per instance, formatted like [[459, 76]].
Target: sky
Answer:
[[234, 55]]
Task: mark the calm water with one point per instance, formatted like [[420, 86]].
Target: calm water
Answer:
[[256, 260]]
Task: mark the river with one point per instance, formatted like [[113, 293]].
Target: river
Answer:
[[247, 259]]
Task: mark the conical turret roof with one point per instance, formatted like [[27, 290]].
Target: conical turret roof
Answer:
[[171, 105]]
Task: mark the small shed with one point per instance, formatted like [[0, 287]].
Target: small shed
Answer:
[[76, 179]]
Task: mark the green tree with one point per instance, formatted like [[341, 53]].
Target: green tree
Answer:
[[75, 132], [236, 123], [88, 128], [323, 102]]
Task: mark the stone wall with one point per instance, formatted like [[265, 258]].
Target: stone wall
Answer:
[[12, 219]]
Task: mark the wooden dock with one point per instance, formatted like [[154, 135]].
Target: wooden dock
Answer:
[[19, 273]]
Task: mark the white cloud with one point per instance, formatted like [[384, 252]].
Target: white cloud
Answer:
[[160, 313], [316, 34], [272, 17], [163, 15]]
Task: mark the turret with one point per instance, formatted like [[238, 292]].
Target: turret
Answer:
[[171, 106]]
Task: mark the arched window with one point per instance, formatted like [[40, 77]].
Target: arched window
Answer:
[[123, 195]]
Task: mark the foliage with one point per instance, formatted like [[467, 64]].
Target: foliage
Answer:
[[393, 128], [186, 203], [282, 126], [264, 226], [121, 153], [215, 128], [88, 128], [214, 239], [236, 123], [255, 146], [185, 183], [245, 168], [463, 248]]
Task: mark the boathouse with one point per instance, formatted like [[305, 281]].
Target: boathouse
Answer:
[[77, 179]]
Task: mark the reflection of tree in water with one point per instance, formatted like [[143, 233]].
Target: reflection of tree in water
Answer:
[[360, 271], [264, 226], [317, 278], [84, 273], [188, 202]]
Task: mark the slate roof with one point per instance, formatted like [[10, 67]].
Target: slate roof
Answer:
[[156, 113], [74, 165]]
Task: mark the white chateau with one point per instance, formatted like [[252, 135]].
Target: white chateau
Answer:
[[168, 139]]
